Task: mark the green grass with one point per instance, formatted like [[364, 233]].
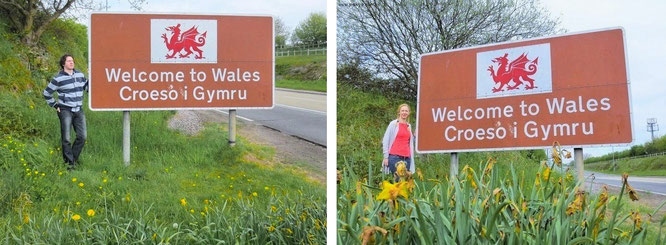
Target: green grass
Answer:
[[301, 72], [647, 166], [229, 197], [300, 60], [317, 85]]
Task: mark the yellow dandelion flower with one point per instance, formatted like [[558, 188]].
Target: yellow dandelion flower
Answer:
[[154, 236], [392, 191], [76, 217], [183, 202], [104, 172], [36, 172], [59, 173], [73, 179], [127, 197], [120, 178], [266, 188], [289, 231], [254, 194], [273, 208], [91, 212], [191, 210], [81, 184], [271, 228], [78, 203], [104, 180], [206, 201], [51, 152], [43, 174], [26, 218]]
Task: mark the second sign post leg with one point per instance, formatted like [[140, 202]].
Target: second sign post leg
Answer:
[[232, 127], [126, 138]]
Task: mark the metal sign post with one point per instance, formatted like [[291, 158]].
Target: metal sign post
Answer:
[[126, 138], [578, 159], [454, 164], [232, 127]]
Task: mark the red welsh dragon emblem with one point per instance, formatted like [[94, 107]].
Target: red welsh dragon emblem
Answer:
[[516, 70], [188, 41]]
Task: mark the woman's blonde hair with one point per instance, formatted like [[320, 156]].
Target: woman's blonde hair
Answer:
[[400, 107]]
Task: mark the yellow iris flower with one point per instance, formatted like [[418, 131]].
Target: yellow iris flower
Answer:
[[392, 191]]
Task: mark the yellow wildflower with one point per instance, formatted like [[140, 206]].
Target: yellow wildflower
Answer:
[[273, 208], [26, 219], [631, 191], [73, 179], [546, 173], [254, 194], [391, 191], [489, 167], [603, 197], [59, 173], [191, 210], [636, 217], [127, 197], [271, 228], [289, 231], [183, 202], [81, 184], [401, 169], [206, 201], [91, 212], [154, 236], [76, 217], [104, 180]]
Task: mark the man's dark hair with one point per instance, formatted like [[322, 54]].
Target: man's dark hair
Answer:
[[63, 59]]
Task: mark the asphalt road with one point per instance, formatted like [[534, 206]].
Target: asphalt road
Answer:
[[297, 113], [655, 185]]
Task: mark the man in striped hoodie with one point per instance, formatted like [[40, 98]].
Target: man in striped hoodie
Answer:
[[70, 85]]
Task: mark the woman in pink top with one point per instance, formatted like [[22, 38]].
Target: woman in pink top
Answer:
[[398, 142]]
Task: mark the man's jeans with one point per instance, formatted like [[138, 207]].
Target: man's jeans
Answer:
[[70, 153]]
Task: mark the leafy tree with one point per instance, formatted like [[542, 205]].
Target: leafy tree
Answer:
[[311, 30], [281, 32], [388, 36], [29, 18]]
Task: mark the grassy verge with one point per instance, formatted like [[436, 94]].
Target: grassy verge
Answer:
[[318, 85], [301, 72], [178, 189], [498, 197], [648, 166]]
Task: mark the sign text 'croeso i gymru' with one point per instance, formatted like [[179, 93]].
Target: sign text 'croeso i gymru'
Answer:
[[164, 61], [573, 89]]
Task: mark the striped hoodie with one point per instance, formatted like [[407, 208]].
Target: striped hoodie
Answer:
[[70, 90]]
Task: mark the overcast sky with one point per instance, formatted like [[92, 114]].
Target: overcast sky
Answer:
[[292, 12], [644, 23]]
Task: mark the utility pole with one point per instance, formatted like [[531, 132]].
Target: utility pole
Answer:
[[652, 126]]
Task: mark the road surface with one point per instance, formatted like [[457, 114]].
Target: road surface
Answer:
[[655, 185], [297, 113]]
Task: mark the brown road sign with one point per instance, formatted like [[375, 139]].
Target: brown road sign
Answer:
[[173, 61], [573, 89]]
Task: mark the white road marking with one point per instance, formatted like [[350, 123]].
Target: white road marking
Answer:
[[303, 109]]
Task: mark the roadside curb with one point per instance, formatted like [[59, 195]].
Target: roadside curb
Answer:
[[300, 91]]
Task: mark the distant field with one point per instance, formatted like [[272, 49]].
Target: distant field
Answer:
[[647, 166]]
